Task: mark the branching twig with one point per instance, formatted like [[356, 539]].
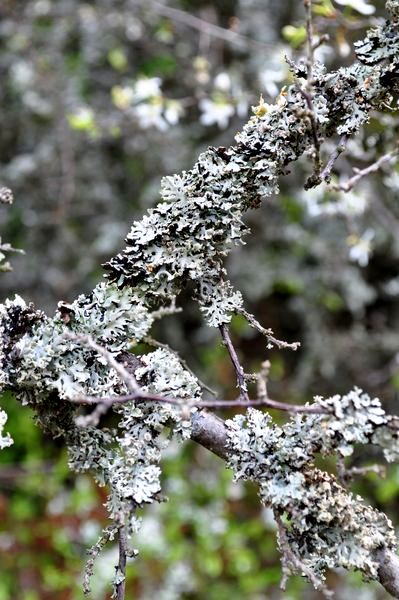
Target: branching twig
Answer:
[[228, 35], [325, 175], [104, 404], [242, 384], [128, 378], [268, 333], [360, 173], [346, 475]]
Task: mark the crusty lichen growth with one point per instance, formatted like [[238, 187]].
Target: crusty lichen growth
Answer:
[[327, 525], [186, 239], [45, 368], [187, 236]]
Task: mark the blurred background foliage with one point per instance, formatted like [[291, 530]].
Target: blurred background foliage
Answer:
[[99, 100]]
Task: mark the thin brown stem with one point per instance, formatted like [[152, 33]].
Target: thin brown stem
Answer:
[[104, 404], [227, 35], [325, 175], [360, 173], [120, 585], [242, 384], [268, 333]]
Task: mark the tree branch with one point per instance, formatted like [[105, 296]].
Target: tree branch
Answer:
[[211, 432]]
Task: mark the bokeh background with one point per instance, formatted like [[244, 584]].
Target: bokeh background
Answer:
[[99, 100]]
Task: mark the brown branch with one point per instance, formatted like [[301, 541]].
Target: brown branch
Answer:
[[120, 585], [227, 35], [388, 570], [211, 432], [325, 175], [104, 404], [360, 173], [242, 385], [268, 333]]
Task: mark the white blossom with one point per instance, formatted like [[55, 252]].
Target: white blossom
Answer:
[[222, 82], [360, 247], [145, 88], [215, 112], [361, 6], [151, 115]]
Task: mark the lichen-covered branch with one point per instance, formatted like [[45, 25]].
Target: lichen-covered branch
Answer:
[[327, 525], [53, 363]]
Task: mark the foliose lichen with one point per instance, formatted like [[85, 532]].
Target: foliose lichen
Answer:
[[328, 526], [185, 239]]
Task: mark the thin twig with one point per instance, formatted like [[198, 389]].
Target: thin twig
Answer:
[[325, 175], [120, 584], [107, 402], [359, 173], [228, 35], [128, 378], [346, 475], [164, 311], [307, 93], [107, 535], [242, 384], [309, 40], [268, 333], [322, 40]]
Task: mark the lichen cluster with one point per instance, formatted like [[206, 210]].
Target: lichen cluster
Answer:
[[46, 369], [185, 239], [328, 527], [187, 236]]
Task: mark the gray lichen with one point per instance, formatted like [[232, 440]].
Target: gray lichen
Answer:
[[186, 239], [327, 525], [187, 236]]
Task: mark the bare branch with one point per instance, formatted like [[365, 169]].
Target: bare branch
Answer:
[[388, 571], [360, 173], [325, 175], [268, 333], [227, 35], [120, 585], [224, 330]]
